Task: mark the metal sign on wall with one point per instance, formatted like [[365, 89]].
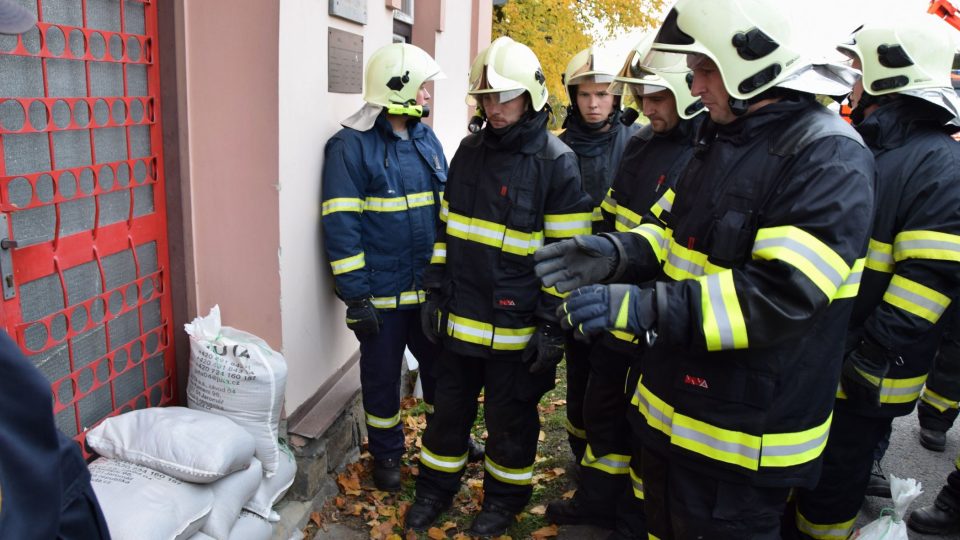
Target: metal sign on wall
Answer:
[[344, 62], [352, 10]]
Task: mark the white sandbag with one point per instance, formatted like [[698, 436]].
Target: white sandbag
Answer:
[[251, 527], [890, 524], [229, 494], [237, 375], [272, 489], [194, 446], [200, 536], [142, 504]]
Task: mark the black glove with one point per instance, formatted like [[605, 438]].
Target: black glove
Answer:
[[545, 348], [863, 371], [579, 261], [591, 310], [430, 317], [362, 317]]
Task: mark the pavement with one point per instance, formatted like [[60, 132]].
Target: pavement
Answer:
[[905, 458]]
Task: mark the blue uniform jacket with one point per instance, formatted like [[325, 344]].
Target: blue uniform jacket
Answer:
[[380, 209]]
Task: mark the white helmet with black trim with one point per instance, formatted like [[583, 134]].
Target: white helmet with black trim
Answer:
[[394, 75], [646, 73], [507, 69]]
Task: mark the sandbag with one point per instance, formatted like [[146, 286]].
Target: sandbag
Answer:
[[139, 503], [229, 494], [272, 489], [191, 445], [251, 527], [237, 375]]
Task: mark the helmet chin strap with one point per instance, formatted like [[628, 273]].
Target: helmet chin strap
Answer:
[[739, 107]]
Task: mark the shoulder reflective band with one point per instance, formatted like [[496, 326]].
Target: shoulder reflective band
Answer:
[[656, 236], [610, 463], [880, 257], [349, 264], [482, 333], [916, 299], [926, 245], [518, 477], [382, 423], [937, 401], [665, 204], [806, 253], [440, 463], [439, 255], [567, 225], [723, 325], [342, 204], [825, 531], [851, 285]]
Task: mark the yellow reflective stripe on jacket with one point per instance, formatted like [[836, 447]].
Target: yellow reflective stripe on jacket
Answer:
[[579, 433], [416, 200], [825, 531], [723, 324], [567, 225], [664, 204], [406, 298], [442, 463], [398, 204], [926, 245], [623, 336], [610, 463], [522, 243], [637, 483], [439, 255], [341, 204], [597, 215], [609, 203], [916, 298], [475, 230], [937, 401], [682, 263], [730, 446], [895, 391], [481, 333], [880, 257], [382, 423], [348, 264], [655, 235], [552, 291], [627, 219], [518, 477], [444, 210], [805, 252], [851, 285]]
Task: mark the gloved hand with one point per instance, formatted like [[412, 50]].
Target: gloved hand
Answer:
[[591, 310], [545, 348], [430, 317], [362, 317], [863, 372], [579, 261]]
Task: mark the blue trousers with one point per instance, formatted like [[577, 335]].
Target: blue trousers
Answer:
[[381, 357]]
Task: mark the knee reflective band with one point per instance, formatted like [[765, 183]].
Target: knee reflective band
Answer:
[[519, 477], [382, 423], [637, 484], [937, 401], [896, 390], [450, 464], [825, 531], [610, 463]]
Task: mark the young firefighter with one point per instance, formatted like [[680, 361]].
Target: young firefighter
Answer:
[[905, 109], [512, 186], [610, 493], [594, 132], [745, 323]]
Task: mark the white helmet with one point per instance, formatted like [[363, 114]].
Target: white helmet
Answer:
[[750, 41], [509, 69], [591, 65], [648, 73], [394, 75]]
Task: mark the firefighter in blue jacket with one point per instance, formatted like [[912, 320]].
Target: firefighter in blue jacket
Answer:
[[754, 272], [594, 132], [383, 176], [512, 187], [610, 492], [905, 109]]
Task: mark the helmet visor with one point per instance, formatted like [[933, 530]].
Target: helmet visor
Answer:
[[670, 62], [586, 78], [474, 97]]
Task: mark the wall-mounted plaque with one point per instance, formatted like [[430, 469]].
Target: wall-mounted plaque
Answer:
[[344, 62], [352, 10]]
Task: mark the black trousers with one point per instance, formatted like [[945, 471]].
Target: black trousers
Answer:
[[511, 394], [831, 507], [578, 371], [938, 403], [682, 504]]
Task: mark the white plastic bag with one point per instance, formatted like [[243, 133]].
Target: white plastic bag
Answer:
[[237, 375], [890, 524]]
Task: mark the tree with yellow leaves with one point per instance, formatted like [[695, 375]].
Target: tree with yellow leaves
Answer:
[[558, 29]]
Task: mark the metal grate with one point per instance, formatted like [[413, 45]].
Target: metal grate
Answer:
[[81, 190]]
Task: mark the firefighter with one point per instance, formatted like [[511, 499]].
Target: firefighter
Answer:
[[905, 109], [512, 186], [383, 175], [744, 325], [940, 398], [594, 132], [610, 493]]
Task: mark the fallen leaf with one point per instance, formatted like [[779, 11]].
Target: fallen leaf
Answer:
[[436, 534], [411, 535], [544, 532], [539, 510], [349, 482], [542, 437], [316, 518], [339, 502], [569, 494], [447, 526], [559, 471]]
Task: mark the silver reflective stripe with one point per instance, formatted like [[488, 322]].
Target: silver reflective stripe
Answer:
[[458, 328], [803, 250], [752, 454], [915, 298], [665, 203], [686, 265], [724, 328], [653, 412], [898, 391], [793, 449], [907, 245], [854, 278], [626, 222], [880, 256]]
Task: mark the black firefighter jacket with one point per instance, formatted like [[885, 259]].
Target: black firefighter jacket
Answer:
[[506, 195], [756, 268], [913, 263]]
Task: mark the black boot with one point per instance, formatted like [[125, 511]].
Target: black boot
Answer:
[[475, 450], [386, 474], [933, 439], [570, 512], [423, 512], [491, 521], [938, 518], [878, 486]]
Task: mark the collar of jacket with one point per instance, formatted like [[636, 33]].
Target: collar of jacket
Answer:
[[684, 132], [588, 142], [892, 123], [748, 126], [527, 136], [414, 127]]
